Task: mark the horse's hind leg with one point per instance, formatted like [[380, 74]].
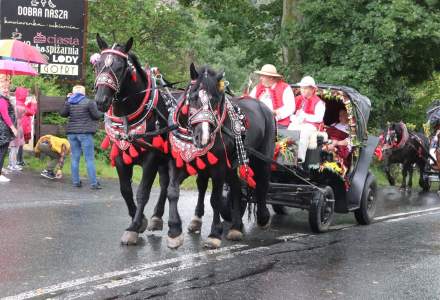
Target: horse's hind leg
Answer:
[[195, 226], [387, 171], [175, 235], [214, 239], [156, 222], [410, 176]]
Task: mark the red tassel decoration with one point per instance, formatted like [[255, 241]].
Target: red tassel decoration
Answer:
[[133, 152], [191, 171], [166, 147], [112, 162], [134, 76], [158, 142], [212, 159], [115, 151], [247, 174], [174, 153], [184, 110], [251, 182], [126, 158], [179, 161], [200, 164], [228, 163], [105, 143]]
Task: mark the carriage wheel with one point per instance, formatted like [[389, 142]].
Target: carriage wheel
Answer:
[[365, 213], [322, 210], [279, 209]]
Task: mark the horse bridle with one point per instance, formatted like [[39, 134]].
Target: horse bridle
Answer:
[[110, 79]]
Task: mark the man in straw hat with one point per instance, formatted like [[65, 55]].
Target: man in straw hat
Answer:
[[308, 117], [273, 91]]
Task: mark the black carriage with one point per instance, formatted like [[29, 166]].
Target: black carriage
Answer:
[[321, 184], [432, 130]]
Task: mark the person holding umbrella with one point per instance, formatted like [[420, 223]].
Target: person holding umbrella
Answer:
[[7, 119]]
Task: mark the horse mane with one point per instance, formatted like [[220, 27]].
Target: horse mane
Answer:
[[209, 79], [134, 59]]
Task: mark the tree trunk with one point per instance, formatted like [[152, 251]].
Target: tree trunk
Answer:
[[291, 55]]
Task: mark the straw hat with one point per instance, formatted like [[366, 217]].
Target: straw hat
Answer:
[[79, 89], [307, 81], [268, 70]]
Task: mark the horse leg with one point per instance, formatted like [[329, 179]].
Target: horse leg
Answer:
[[125, 174], [235, 233], [404, 175], [149, 171], [175, 235], [195, 226], [156, 222], [262, 176], [387, 171], [410, 176], [214, 239]]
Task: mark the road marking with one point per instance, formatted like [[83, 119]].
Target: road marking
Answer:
[[411, 216], [292, 237], [411, 213], [81, 281]]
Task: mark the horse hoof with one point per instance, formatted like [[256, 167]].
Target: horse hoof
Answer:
[[234, 235], [156, 224], [144, 225], [212, 243], [129, 238], [265, 226], [174, 243], [195, 226]]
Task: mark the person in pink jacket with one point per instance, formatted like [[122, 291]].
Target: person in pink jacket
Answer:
[[30, 105]]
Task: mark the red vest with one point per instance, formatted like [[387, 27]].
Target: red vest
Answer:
[[309, 104], [276, 94]]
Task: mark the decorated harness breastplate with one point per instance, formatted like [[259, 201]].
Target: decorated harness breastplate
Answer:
[[121, 130]]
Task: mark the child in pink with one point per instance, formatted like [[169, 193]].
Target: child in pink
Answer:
[[30, 104], [18, 142]]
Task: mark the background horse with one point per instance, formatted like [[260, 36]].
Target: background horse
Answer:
[[133, 105], [406, 148], [216, 154]]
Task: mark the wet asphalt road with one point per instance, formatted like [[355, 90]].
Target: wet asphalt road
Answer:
[[62, 242]]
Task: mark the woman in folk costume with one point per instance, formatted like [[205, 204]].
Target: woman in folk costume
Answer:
[[273, 91], [309, 116], [339, 137]]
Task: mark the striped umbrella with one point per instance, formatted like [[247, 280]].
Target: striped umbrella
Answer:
[[20, 51], [13, 67]]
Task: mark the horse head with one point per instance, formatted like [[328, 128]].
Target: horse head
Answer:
[[116, 78], [206, 96], [393, 134]]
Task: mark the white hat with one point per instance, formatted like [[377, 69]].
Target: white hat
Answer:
[[269, 70], [307, 81], [79, 89]]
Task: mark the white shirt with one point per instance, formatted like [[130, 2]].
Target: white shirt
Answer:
[[318, 117], [284, 111]]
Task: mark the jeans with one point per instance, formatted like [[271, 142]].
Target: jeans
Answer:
[[82, 142], [3, 151]]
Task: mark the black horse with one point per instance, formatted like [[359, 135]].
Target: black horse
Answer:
[[134, 105], [212, 135], [407, 148]]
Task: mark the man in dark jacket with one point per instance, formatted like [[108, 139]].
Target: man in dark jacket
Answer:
[[83, 117]]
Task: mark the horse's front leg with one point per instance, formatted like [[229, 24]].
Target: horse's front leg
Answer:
[[235, 233], [387, 171], [262, 176], [215, 237], [175, 235], [410, 176], [405, 169], [156, 222], [139, 223], [195, 226]]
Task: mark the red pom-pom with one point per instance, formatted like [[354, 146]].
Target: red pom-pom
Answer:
[[184, 109], [126, 158], [105, 143], [133, 152], [166, 147], [245, 171], [228, 163], [212, 159], [191, 171], [158, 142], [115, 151], [179, 161], [200, 163]]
